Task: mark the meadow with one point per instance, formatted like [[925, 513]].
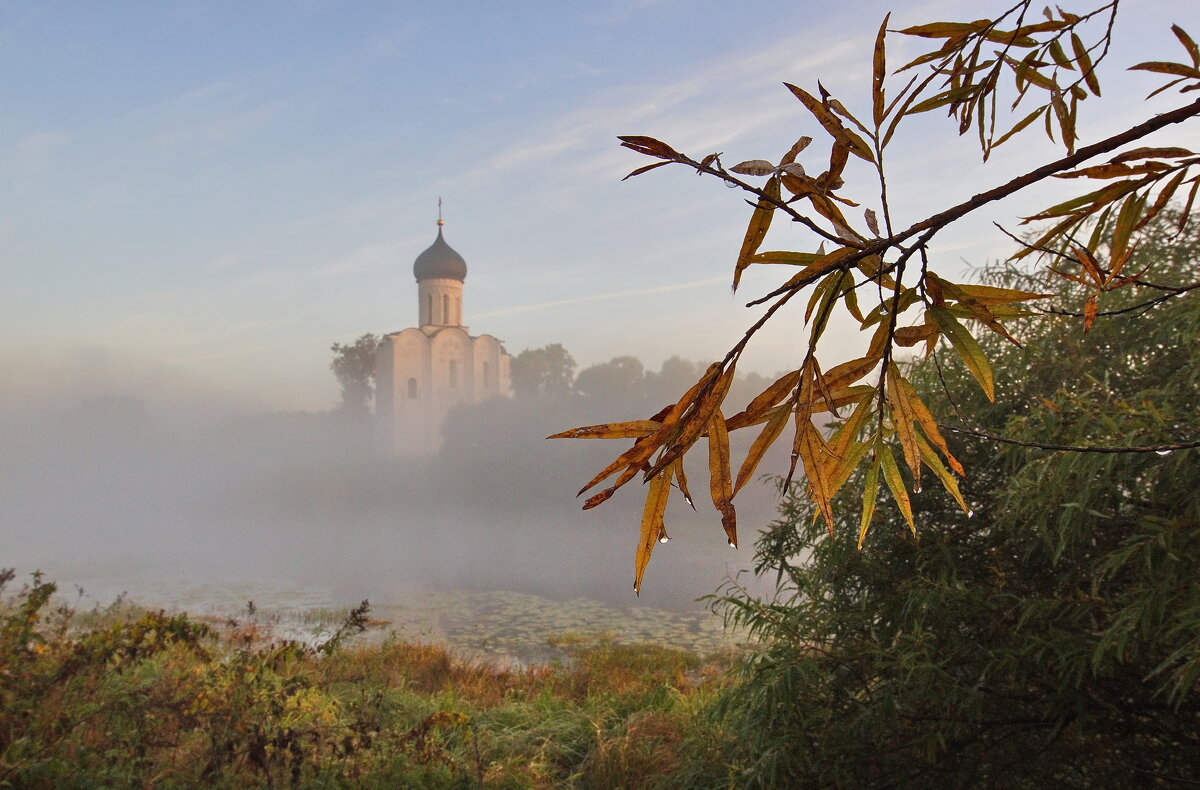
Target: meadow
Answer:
[[121, 696]]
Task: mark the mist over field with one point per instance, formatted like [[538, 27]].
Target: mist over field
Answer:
[[117, 483]]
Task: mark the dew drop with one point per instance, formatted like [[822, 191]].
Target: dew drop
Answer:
[[663, 539], [916, 489], [732, 545], [731, 184], [970, 514], [1163, 452]]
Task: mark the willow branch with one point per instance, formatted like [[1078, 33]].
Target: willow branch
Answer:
[[940, 220]]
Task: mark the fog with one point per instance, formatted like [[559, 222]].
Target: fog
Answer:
[[119, 480]]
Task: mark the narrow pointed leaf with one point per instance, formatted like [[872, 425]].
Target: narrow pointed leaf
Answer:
[[878, 73], [756, 231], [720, 477], [895, 484], [762, 443], [657, 493], [942, 474], [929, 427], [903, 419], [870, 495], [634, 429], [967, 349], [681, 480], [644, 169]]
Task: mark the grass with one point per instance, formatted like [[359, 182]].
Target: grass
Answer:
[[123, 697]]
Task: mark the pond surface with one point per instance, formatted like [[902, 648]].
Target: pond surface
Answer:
[[501, 626]]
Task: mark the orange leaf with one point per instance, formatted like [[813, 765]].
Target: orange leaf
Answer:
[[634, 429], [720, 477], [657, 494], [761, 444], [756, 231], [878, 73], [1090, 308]]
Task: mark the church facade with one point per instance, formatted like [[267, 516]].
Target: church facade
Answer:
[[423, 372]]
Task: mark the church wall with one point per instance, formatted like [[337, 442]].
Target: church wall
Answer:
[[410, 403], [491, 368], [452, 374], [440, 302]]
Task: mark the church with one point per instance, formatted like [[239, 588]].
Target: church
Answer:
[[423, 372]]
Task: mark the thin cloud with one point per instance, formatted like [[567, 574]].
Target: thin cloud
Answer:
[[635, 292], [728, 111]]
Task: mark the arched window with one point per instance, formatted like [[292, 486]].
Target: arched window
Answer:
[[429, 309], [453, 373], [458, 309], [445, 309], [412, 388], [487, 380]]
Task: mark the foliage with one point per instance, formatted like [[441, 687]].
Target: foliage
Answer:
[[542, 372], [145, 699], [1052, 639], [621, 379], [354, 366], [877, 273]]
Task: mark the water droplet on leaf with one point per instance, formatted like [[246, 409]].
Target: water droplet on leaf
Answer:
[[1163, 452]]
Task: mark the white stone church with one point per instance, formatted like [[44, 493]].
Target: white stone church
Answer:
[[423, 372]]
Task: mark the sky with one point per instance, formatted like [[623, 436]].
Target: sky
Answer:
[[198, 198]]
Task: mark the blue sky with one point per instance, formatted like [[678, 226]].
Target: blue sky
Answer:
[[197, 198]]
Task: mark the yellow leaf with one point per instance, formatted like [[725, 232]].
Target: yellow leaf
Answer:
[[657, 494], [945, 29], [785, 257], [941, 473], [989, 295], [895, 483], [841, 398], [814, 452], [774, 394], [1166, 67], [902, 420], [930, 428], [847, 432], [756, 231], [911, 335], [681, 479], [634, 429], [761, 443], [845, 374], [720, 477], [878, 73], [830, 122], [819, 267]]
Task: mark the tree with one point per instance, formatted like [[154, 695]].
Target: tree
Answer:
[[883, 276], [354, 366], [621, 379], [1050, 637], [539, 372]]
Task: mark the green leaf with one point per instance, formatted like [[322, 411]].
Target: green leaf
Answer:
[[967, 348], [870, 495]]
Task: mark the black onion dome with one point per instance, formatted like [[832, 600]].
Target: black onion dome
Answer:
[[440, 262]]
